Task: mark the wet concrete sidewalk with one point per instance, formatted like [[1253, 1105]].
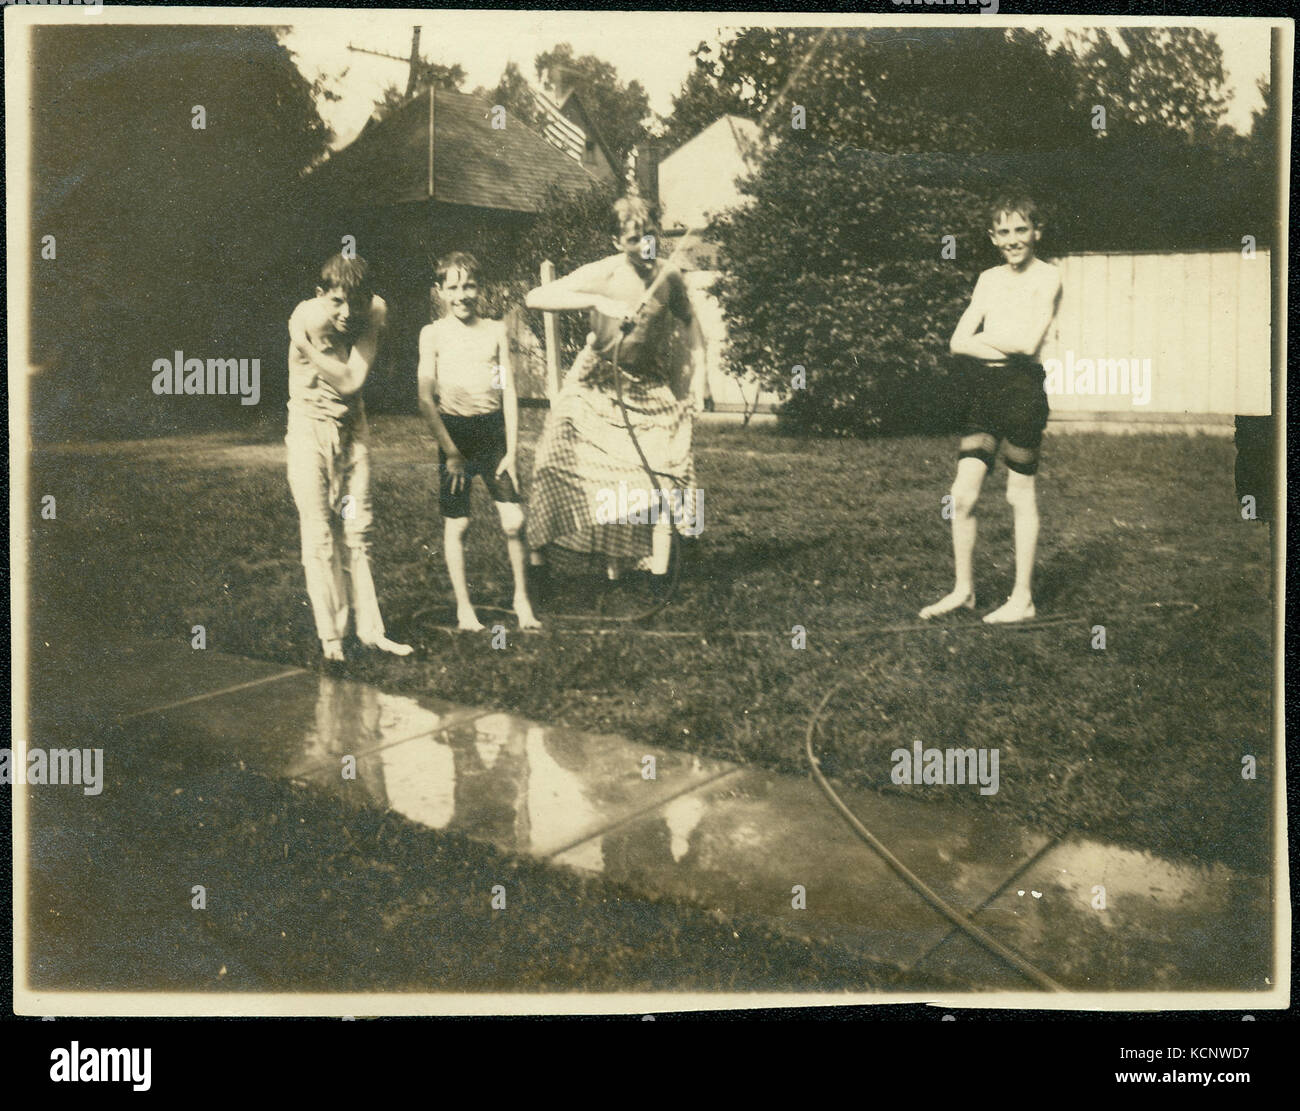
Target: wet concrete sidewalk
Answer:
[[726, 837]]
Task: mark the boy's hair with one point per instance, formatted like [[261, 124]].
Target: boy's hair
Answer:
[[636, 208], [349, 275], [457, 260], [1012, 203]]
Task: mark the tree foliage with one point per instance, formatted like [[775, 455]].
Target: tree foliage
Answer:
[[167, 233], [1153, 77], [427, 74]]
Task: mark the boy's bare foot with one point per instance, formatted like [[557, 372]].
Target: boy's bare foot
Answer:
[[958, 599], [1012, 610], [467, 621], [527, 619], [332, 650], [383, 644]]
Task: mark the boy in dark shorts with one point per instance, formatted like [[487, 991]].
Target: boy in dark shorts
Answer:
[[997, 342], [468, 398]]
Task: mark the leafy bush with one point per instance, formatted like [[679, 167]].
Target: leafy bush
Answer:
[[836, 267]]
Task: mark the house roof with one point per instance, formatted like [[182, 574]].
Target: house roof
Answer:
[[744, 133], [571, 104], [472, 162]]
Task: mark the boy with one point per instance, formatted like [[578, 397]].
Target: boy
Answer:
[[998, 339], [636, 302], [467, 396], [333, 340]]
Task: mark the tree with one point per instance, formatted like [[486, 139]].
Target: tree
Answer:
[[515, 94], [1153, 77], [427, 74], [174, 235], [619, 111], [887, 89], [866, 301]]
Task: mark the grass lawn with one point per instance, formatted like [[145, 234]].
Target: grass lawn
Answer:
[[1140, 743]]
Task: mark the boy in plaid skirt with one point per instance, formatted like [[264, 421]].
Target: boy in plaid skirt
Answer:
[[586, 461]]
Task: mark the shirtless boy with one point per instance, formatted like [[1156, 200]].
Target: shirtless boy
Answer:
[[999, 338], [333, 340]]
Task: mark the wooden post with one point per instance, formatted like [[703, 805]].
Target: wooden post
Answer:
[[552, 333]]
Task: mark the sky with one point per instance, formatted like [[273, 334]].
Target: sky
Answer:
[[650, 47]]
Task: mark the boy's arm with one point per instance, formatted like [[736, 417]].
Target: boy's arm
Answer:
[[964, 339], [346, 378], [323, 364], [427, 377], [567, 295], [509, 407], [1043, 303]]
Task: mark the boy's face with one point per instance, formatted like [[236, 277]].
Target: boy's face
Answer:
[[347, 312], [459, 292], [639, 240], [1015, 236]]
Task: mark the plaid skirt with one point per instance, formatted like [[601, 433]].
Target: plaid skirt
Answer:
[[586, 464]]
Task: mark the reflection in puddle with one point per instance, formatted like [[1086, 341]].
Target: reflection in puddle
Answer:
[[1080, 866], [496, 778]]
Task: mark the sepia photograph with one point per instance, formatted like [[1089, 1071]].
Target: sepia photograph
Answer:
[[571, 512]]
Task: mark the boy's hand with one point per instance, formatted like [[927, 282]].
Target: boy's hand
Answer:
[[456, 468], [507, 466]]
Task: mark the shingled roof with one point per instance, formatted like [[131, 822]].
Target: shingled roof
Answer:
[[471, 162]]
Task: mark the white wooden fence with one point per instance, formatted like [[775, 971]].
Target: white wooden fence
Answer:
[[1189, 330]]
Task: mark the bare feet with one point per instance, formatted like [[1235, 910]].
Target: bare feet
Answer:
[[383, 644], [958, 599], [332, 650], [1012, 610], [467, 620], [527, 619]]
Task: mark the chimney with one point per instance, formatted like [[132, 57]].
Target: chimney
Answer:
[[646, 174], [557, 77]]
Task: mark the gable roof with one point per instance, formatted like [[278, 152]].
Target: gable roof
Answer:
[[572, 107], [745, 135], [455, 157]]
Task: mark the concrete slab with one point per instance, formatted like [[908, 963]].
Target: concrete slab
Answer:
[[76, 682], [301, 724], [745, 842], [1164, 926], [727, 838], [523, 787]]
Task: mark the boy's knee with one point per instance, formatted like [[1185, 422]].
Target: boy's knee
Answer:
[[454, 528], [512, 519], [964, 499]]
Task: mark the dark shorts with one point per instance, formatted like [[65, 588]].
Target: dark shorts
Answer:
[[481, 439], [1003, 404]]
